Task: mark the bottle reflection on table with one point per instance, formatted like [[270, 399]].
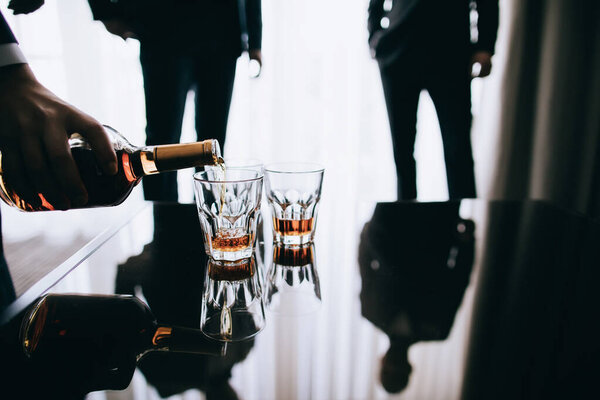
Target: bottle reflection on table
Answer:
[[415, 264], [170, 274], [95, 341]]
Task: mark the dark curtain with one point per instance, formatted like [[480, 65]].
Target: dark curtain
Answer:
[[549, 130]]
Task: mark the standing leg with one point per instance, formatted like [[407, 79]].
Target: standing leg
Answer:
[[214, 75], [166, 84], [450, 90], [402, 89]]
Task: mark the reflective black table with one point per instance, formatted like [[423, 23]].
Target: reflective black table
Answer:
[[448, 300]]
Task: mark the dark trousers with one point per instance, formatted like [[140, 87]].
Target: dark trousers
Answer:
[[449, 88], [168, 77]]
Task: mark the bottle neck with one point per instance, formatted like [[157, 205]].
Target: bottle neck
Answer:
[[172, 157], [183, 340]]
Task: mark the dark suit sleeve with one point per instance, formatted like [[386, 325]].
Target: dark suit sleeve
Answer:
[[6, 35], [105, 9], [375, 15], [487, 25], [7, 289], [254, 20]]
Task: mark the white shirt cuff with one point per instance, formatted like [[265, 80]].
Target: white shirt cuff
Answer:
[[10, 53]]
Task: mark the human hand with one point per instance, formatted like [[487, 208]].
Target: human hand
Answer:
[[481, 64], [34, 129], [119, 28], [24, 6], [256, 56]]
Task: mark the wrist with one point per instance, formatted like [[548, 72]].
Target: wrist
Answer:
[[15, 76], [475, 49], [10, 53]]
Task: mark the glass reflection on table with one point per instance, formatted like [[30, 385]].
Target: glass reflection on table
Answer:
[[292, 284]]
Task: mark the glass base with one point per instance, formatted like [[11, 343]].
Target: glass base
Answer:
[[219, 255], [238, 325], [293, 240]]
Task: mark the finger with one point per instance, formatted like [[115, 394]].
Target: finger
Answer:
[[485, 71], [486, 68], [13, 174], [62, 166], [40, 175], [25, 7], [475, 70], [254, 68], [95, 134]]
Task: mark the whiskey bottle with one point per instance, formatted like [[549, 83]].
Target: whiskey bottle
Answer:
[[133, 164], [104, 326], [96, 341]]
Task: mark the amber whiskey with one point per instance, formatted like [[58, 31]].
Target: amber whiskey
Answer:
[[293, 227], [231, 271], [292, 256], [102, 190], [229, 241]]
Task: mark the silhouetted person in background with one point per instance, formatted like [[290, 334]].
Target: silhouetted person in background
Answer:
[[426, 45], [415, 265], [185, 45]]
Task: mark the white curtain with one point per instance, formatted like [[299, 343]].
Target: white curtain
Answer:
[[548, 133]]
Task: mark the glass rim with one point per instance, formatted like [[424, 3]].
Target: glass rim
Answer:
[[258, 176], [280, 167]]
